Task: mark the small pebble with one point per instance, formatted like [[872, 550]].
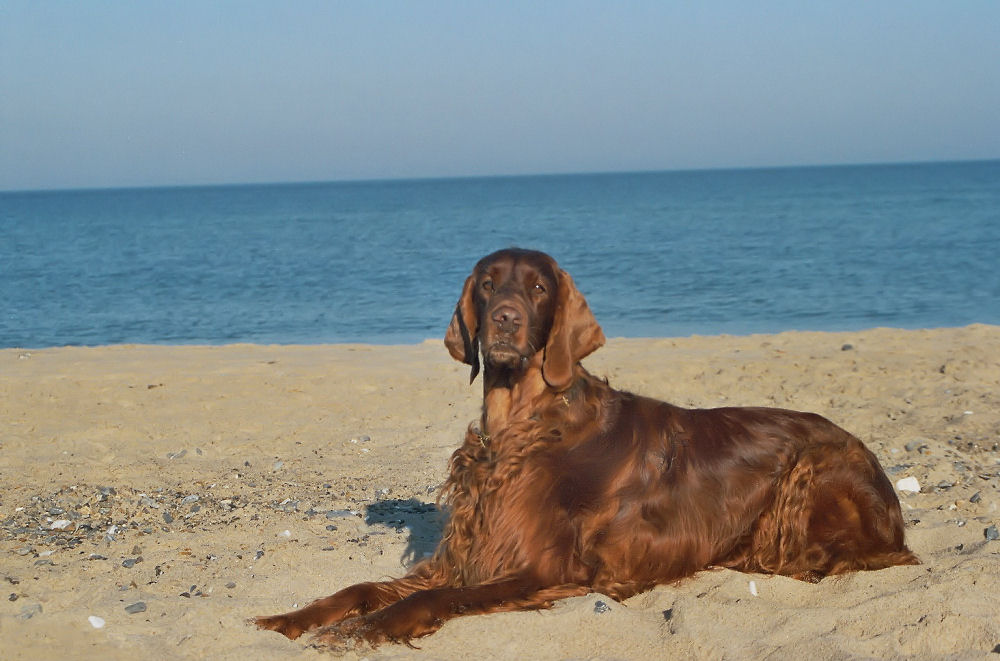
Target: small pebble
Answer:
[[847, 347], [753, 588], [277, 465], [339, 514], [601, 607], [96, 622], [137, 607], [193, 498], [975, 497], [991, 533], [128, 563], [909, 484], [168, 517]]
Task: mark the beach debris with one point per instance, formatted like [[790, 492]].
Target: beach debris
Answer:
[[137, 607], [601, 607], [30, 611], [753, 588], [96, 622], [908, 484], [991, 533]]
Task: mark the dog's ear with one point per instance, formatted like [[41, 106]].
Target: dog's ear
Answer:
[[462, 337], [575, 334]]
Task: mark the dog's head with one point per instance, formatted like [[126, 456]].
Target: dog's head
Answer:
[[515, 304]]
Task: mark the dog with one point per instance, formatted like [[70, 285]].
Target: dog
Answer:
[[567, 486]]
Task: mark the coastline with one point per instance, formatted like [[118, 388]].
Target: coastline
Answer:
[[203, 482]]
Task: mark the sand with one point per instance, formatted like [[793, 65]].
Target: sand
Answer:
[[173, 492]]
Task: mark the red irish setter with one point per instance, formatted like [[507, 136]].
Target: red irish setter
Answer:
[[568, 486]]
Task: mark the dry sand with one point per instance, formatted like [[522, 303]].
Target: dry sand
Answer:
[[210, 484]]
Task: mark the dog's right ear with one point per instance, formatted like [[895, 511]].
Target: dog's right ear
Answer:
[[462, 337]]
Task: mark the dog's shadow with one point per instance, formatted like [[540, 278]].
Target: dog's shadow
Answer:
[[424, 521]]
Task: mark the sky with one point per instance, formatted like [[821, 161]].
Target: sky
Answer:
[[108, 94]]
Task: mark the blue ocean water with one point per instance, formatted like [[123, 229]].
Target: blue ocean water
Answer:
[[656, 254]]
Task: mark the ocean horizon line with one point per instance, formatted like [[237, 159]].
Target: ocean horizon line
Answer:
[[348, 181]]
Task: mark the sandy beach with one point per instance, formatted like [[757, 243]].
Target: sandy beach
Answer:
[[152, 499]]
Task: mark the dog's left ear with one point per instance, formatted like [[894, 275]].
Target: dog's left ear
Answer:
[[575, 334], [462, 336]]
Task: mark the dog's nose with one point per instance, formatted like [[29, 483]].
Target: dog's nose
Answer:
[[507, 318]]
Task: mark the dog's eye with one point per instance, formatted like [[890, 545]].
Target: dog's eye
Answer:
[[539, 288], [487, 285]]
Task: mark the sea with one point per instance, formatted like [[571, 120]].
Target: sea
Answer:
[[657, 254]]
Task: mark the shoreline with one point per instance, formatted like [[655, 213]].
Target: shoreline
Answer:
[[211, 483], [435, 340]]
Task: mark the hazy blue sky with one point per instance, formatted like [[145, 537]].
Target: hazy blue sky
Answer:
[[138, 93]]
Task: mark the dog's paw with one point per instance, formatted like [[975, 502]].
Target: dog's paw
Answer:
[[283, 624]]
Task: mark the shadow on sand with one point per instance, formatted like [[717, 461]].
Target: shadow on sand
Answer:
[[423, 520]]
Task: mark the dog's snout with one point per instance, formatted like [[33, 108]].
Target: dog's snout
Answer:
[[507, 318]]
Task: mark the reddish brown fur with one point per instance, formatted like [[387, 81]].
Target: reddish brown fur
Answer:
[[569, 486]]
